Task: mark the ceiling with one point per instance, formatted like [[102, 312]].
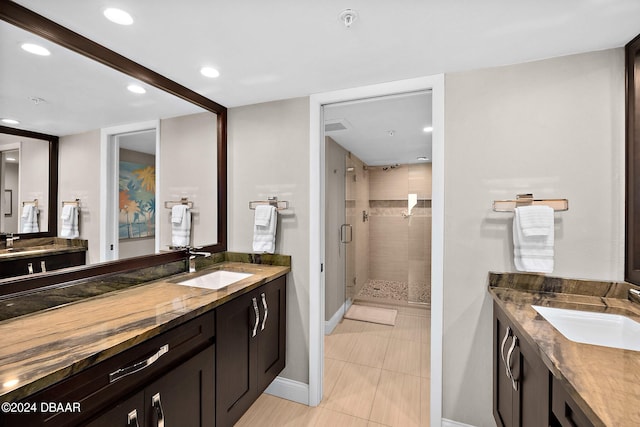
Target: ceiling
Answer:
[[283, 49]]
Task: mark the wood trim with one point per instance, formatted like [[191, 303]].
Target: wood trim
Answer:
[[632, 208], [52, 226], [30, 21]]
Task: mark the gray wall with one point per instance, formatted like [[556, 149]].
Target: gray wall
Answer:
[[554, 128], [269, 156]]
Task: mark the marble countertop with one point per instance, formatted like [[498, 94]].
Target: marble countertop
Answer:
[[41, 348], [604, 382], [52, 245]]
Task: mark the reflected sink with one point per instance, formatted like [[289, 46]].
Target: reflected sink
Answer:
[[604, 329], [216, 280]]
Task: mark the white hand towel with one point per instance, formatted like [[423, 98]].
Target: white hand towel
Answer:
[[30, 219], [536, 220], [533, 253], [69, 222], [180, 229], [264, 236], [263, 215]]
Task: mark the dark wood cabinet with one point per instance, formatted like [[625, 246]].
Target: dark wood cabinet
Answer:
[[521, 381], [178, 365], [566, 412], [250, 338], [20, 266], [179, 398]]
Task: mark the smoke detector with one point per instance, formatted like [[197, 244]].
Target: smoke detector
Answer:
[[348, 17]]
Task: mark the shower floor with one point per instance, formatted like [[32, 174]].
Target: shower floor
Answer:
[[395, 291]]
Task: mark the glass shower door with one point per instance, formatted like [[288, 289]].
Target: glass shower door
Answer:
[[347, 233]]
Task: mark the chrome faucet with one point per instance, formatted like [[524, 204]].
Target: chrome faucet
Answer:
[[11, 239], [192, 258]]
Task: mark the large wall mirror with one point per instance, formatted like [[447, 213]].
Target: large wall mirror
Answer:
[[170, 140], [632, 240]]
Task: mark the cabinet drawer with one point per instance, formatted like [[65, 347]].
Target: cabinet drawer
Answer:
[[104, 384], [565, 409]]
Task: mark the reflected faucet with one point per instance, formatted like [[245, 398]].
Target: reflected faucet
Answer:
[[11, 239], [192, 257]]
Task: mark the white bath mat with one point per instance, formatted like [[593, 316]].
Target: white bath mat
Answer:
[[365, 313]]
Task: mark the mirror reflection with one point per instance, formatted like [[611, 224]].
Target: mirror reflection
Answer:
[[123, 157], [24, 174]]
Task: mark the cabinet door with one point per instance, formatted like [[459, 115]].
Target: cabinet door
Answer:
[[503, 396], [185, 395], [272, 332], [236, 358], [534, 388], [129, 413]]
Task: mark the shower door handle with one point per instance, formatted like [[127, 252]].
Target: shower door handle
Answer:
[[343, 233]]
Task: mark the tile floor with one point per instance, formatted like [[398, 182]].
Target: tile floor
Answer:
[[374, 375]]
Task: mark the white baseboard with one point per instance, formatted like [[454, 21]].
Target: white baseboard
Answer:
[[451, 423], [330, 325], [290, 390]]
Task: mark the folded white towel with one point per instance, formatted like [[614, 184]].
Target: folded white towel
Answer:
[[69, 222], [264, 236], [180, 225], [533, 253], [263, 215], [536, 220], [30, 219]]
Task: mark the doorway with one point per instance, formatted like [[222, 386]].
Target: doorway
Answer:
[[317, 248], [129, 191]]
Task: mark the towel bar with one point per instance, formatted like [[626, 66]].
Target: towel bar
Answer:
[[558, 205], [273, 201], [183, 201]]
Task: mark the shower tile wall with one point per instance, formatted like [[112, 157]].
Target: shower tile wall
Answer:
[[400, 248]]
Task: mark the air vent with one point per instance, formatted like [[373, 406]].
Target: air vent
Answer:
[[336, 125]]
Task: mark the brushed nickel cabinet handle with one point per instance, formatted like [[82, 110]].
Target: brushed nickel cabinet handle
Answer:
[[30, 268], [255, 309], [43, 266], [504, 342], [514, 343], [132, 419], [132, 369], [155, 402], [266, 311]]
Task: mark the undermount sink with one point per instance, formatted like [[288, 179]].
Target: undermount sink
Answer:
[[604, 329], [216, 280]]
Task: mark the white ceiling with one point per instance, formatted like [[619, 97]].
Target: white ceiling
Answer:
[[269, 50]]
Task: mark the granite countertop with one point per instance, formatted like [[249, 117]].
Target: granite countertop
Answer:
[[44, 347], [53, 245], [604, 382]]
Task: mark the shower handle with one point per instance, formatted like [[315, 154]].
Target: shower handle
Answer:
[[343, 233]]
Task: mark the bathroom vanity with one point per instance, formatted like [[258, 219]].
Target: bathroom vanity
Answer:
[[39, 255], [542, 378], [156, 351]]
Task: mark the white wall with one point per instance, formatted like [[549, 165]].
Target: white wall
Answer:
[[34, 165], [268, 149], [554, 128], [188, 168], [79, 178]]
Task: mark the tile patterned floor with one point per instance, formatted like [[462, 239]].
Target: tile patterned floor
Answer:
[[375, 375]]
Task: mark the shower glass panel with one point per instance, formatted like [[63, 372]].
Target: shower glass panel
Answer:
[[350, 229], [419, 234]]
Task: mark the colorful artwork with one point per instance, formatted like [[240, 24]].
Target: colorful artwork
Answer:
[[137, 201]]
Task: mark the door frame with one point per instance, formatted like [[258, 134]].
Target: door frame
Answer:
[[316, 227], [109, 184]]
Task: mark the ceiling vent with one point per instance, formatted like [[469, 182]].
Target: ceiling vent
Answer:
[[335, 125]]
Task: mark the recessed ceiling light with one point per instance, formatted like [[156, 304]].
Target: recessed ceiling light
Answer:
[[11, 159], [118, 16], [35, 49], [428, 129], [209, 72], [136, 89], [423, 158], [10, 121]]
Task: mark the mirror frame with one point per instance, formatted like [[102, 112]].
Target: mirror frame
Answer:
[[632, 209], [28, 20], [52, 226]]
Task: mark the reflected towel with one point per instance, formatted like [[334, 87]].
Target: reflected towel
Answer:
[[264, 236], [180, 225], [69, 222], [533, 253], [30, 219]]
